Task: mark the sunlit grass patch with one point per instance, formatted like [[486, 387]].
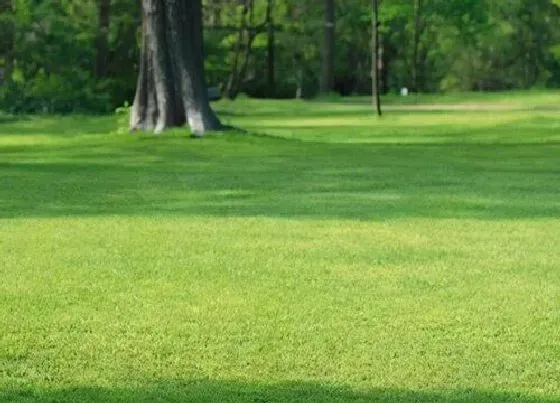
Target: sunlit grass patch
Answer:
[[324, 256]]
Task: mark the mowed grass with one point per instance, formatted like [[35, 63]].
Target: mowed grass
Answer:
[[325, 256]]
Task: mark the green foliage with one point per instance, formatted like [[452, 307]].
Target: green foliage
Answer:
[[123, 117], [48, 49], [462, 45], [53, 57]]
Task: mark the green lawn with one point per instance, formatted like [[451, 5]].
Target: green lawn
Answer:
[[326, 256]]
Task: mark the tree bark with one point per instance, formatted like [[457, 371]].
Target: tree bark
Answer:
[[232, 88], [299, 70], [327, 76], [375, 90], [171, 89], [270, 62]]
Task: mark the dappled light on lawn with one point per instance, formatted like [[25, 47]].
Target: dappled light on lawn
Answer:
[[329, 257]]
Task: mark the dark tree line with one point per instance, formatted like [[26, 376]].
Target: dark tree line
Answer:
[[63, 56]]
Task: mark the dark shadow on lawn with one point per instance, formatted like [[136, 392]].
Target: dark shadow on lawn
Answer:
[[206, 391], [56, 126], [261, 176], [4, 119]]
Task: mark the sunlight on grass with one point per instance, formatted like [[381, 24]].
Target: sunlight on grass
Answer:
[[356, 123], [469, 119], [328, 257]]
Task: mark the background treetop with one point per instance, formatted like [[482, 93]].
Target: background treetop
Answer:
[[69, 55]]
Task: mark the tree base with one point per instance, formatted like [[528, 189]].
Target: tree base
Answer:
[[171, 90]]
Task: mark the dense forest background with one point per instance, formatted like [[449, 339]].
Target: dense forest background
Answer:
[[62, 56]]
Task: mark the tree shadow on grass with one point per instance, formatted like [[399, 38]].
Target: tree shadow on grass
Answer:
[[261, 176], [5, 119], [207, 391], [56, 126], [446, 176]]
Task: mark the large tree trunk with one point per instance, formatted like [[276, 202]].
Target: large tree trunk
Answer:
[[327, 76], [171, 88]]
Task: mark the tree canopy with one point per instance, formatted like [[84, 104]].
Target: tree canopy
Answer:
[[83, 55]]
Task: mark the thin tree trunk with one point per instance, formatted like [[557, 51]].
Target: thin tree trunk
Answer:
[[299, 78], [247, 34], [418, 29], [299, 73], [232, 88], [251, 35], [246, 55], [375, 90], [215, 13], [171, 87], [327, 76], [102, 45], [270, 65]]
